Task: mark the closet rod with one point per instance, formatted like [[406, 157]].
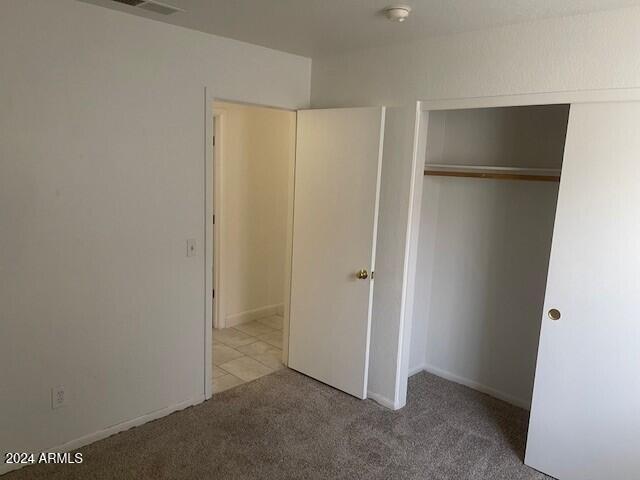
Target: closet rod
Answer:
[[498, 173], [497, 176]]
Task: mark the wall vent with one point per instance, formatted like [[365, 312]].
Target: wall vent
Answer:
[[133, 3], [152, 6]]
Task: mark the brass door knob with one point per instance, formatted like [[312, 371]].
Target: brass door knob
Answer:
[[362, 274]]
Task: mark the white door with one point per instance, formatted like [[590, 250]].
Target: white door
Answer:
[[337, 183], [585, 417]]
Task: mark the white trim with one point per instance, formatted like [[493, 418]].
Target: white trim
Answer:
[[384, 401], [544, 98], [288, 264], [251, 315], [253, 104], [492, 392], [112, 430], [218, 210], [208, 242], [415, 370], [374, 241], [410, 256]]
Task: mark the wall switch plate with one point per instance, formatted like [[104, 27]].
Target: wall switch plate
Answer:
[[191, 247], [58, 397]]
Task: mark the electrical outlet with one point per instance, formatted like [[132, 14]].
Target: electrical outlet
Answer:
[[58, 397], [191, 247]]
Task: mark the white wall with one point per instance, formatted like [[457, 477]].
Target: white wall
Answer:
[[595, 51], [526, 137], [101, 183], [482, 269], [258, 145]]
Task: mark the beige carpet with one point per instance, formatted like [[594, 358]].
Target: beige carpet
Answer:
[[287, 426]]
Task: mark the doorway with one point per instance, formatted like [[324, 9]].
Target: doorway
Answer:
[[253, 159], [335, 154]]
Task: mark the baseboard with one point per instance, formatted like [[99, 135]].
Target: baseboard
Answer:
[[492, 392], [384, 401], [415, 370], [112, 430], [388, 403], [251, 315]]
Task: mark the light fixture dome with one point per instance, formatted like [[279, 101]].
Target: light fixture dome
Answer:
[[397, 13]]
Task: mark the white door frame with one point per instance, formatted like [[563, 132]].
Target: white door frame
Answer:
[[208, 242], [214, 257], [219, 315]]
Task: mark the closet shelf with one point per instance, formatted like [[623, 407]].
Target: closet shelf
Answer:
[[499, 173]]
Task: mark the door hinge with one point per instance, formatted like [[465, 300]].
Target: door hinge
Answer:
[[213, 293], [214, 219], [214, 140]]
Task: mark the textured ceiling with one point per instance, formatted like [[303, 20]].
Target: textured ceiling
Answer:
[[323, 27]]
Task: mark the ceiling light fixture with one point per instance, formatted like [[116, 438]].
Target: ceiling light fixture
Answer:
[[397, 13]]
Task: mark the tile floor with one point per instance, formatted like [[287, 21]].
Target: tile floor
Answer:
[[246, 352]]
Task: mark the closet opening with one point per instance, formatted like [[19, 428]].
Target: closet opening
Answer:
[[490, 189]]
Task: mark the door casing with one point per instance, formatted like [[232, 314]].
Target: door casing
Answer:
[[214, 257]]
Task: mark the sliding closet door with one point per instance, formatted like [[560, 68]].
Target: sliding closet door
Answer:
[[585, 418], [337, 186]]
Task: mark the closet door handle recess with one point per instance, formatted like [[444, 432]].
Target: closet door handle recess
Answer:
[[554, 314]]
